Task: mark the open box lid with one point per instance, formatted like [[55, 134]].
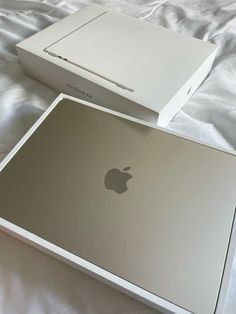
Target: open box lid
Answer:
[[119, 62], [151, 63]]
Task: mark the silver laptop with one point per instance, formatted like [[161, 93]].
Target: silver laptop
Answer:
[[144, 210]]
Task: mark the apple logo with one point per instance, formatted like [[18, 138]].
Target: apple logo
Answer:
[[116, 180]]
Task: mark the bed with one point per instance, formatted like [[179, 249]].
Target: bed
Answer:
[[32, 282]]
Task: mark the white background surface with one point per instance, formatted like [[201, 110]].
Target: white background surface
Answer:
[[32, 282]]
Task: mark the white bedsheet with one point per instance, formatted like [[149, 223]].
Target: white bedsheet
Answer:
[[32, 282]]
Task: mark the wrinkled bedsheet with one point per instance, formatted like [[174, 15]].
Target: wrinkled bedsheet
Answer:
[[32, 282]]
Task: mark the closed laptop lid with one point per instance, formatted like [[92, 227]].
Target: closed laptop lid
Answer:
[[149, 62], [148, 206]]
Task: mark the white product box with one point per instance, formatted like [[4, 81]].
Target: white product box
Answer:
[[119, 62]]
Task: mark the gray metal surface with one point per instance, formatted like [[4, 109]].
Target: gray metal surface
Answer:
[[149, 234]]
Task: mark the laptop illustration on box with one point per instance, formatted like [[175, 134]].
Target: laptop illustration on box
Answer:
[[119, 62]]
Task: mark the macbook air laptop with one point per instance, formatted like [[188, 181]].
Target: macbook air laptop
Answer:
[[142, 209]]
